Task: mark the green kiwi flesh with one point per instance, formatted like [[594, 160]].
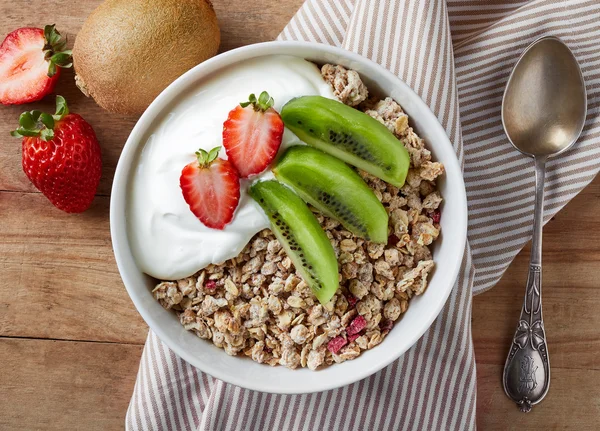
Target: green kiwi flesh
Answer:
[[301, 235], [348, 134], [335, 189]]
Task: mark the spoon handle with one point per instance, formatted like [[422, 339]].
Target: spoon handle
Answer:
[[527, 370]]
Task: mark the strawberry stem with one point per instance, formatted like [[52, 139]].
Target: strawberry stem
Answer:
[[206, 158], [40, 124], [54, 50], [261, 104]]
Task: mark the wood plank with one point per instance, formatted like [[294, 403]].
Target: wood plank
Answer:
[[59, 278], [241, 23], [570, 313], [58, 385], [571, 301], [571, 404], [571, 297]]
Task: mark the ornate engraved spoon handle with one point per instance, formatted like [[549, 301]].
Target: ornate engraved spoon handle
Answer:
[[527, 370]]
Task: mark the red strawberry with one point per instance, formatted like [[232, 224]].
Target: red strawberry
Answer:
[[351, 338], [336, 344], [30, 62], [252, 135], [358, 324], [61, 156], [211, 187]]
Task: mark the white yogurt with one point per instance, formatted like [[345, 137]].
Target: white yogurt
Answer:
[[167, 240]]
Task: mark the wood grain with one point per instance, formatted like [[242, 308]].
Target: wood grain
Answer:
[[571, 404], [59, 281], [59, 385], [59, 278], [571, 301]]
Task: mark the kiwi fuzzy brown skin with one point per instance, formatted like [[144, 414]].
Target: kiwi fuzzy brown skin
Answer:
[[301, 236], [348, 134], [128, 51], [335, 189]]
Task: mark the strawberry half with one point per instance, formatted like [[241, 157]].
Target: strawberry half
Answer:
[[211, 187], [30, 63], [61, 156], [252, 135]]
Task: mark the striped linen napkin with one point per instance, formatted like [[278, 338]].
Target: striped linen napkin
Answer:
[[457, 56]]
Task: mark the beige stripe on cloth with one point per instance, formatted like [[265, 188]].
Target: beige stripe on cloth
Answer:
[[457, 56]]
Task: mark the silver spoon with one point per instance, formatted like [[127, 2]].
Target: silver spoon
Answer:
[[543, 112]]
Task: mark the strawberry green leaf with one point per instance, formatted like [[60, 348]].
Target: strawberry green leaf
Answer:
[[28, 120], [61, 108], [47, 134], [51, 69], [21, 133], [47, 120], [49, 30], [263, 102], [40, 124], [54, 50], [251, 101], [62, 59], [206, 158], [202, 156], [213, 154]]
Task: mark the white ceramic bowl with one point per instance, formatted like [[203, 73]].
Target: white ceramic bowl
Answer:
[[448, 250]]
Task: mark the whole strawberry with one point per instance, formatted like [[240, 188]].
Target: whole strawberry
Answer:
[[61, 156], [30, 63]]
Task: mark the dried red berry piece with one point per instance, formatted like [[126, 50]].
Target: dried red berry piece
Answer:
[[358, 324], [211, 285], [336, 344], [352, 300], [386, 325], [436, 215], [351, 338]]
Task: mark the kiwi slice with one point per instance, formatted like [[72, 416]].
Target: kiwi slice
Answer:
[[335, 189], [348, 134], [301, 235]]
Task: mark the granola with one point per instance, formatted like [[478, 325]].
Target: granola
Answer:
[[257, 305]]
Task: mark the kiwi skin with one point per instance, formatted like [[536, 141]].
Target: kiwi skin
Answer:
[[301, 236], [348, 134], [335, 189], [128, 51]]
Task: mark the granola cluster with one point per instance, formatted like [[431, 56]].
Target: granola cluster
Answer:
[[257, 305]]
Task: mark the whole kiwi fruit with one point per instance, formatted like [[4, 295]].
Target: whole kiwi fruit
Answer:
[[128, 51]]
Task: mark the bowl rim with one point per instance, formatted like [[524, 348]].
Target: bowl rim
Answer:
[[121, 177]]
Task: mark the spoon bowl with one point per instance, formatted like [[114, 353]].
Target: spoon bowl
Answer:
[[544, 105]]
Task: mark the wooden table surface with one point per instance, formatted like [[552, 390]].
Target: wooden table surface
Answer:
[[71, 340]]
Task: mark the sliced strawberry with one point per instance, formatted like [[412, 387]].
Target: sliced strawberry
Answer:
[[252, 135], [335, 344], [30, 62], [211, 187], [358, 324]]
